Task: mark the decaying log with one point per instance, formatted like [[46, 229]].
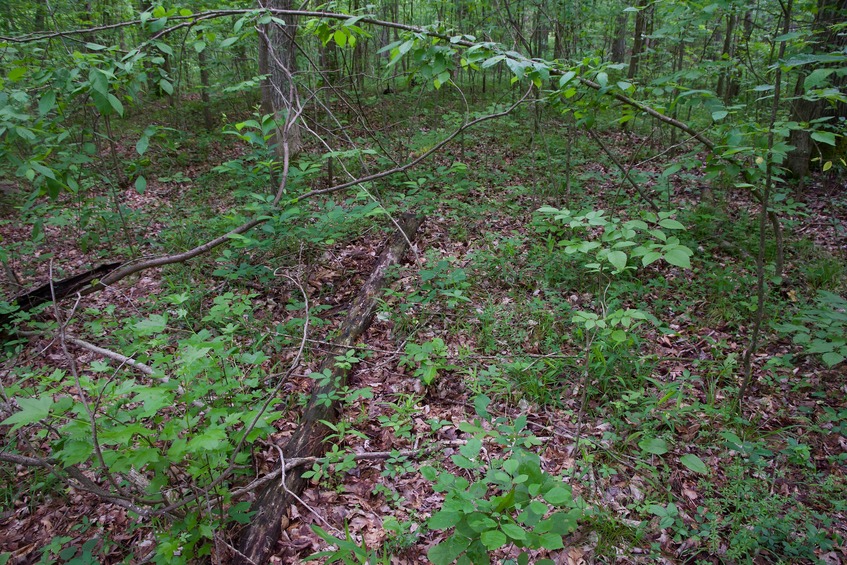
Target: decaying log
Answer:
[[261, 536], [61, 289]]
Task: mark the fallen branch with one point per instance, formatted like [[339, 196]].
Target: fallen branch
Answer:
[[259, 539], [123, 359]]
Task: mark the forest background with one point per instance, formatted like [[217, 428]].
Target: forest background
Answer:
[[426, 281]]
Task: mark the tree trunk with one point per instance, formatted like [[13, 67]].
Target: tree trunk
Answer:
[[278, 60], [726, 84], [259, 539], [830, 13], [619, 39], [638, 39]]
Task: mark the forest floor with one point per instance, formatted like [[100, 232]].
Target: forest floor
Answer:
[[666, 470]]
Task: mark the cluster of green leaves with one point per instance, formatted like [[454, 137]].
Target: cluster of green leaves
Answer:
[[618, 240], [427, 359], [185, 421], [509, 501], [821, 329]]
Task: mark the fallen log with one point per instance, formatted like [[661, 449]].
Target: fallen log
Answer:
[[60, 289], [261, 536]]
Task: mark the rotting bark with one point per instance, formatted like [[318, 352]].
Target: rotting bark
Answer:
[[60, 289], [259, 539]]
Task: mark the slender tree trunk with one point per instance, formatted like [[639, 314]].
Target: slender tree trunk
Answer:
[[202, 61], [726, 84], [278, 60], [638, 38], [830, 13], [619, 39]]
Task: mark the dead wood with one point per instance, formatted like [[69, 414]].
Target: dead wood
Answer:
[[261, 536]]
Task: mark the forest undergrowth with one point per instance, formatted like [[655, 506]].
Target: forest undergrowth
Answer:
[[525, 392]]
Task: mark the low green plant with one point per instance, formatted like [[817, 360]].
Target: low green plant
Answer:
[[821, 329], [507, 501], [346, 550], [427, 359]]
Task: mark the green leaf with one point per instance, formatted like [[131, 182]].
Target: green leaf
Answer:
[[140, 185], [46, 103], [719, 115], [654, 445], [152, 325], [558, 496], [166, 86], [116, 104], [817, 78], [212, 439], [444, 519], [493, 539], [447, 551], [694, 463], [199, 46], [552, 541], [142, 144], [513, 531], [678, 257], [671, 224], [617, 259], [32, 410], [832, 358], [824, 137]]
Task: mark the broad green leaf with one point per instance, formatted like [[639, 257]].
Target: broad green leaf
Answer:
[[142, 144], [694, 463], [32, 410], [566, 78], [617, 259], [140, 185], [116, 104], [513, 531], [552, 541], [817, 78], [719, 115], [46, 102], [447, 551], [618, 336], [152, 325], [17, 74], [199, 46], [166, 86], [558, 496], [678, 257], [654, 445], [340, 38], [493, 539], [824, 137], [443, 520], [212, 439], [832, 358], [671, 224]]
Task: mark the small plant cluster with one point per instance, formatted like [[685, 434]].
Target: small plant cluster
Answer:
[[619, 240], [821, 329], [508, 502]]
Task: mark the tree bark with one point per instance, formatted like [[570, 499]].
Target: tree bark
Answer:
[[829, 13], [259, 539], [278, 60], [619, 39], [638, 38]]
